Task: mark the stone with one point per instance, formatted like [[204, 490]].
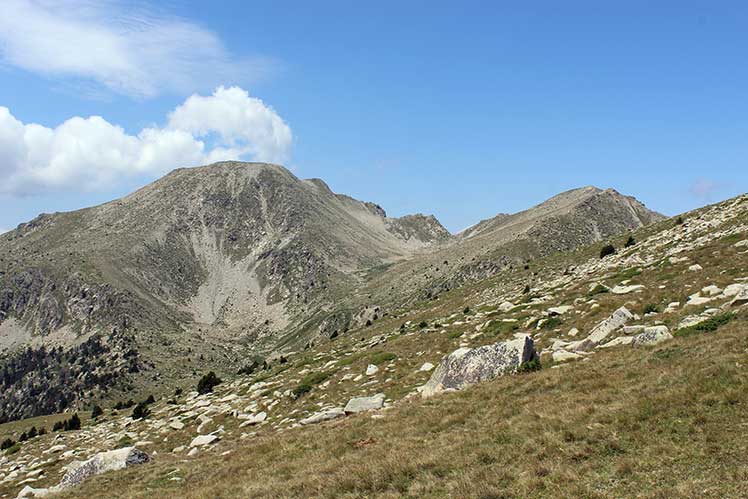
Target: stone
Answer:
[[741, 298], [466, 366], [741, 244], [623, 290], [321, 416], [621, 340], [361, 404], [505, 306], [573, 331], [426, 367], [101, 463], [255, 419], [203, 440], [371, 370], [564, 356], [696, 300], [29, 491], [652, 336], [193, 452], [695, 267], [632, 329], [559, 310], [734, 289], [711, 290], [618, 319], [176, 425]]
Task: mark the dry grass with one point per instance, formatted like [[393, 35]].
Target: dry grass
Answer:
[[653, 423]]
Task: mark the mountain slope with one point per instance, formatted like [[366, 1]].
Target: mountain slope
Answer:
[[219, 266]]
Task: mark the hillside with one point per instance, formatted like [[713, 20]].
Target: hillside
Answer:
[[222, 266], [638, 393]]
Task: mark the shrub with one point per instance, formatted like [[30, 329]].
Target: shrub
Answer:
[[141, 411], [177, 392], [423, 324], [307, 383], [124, 405], [530, 366], [607, 250], [651, 308], [679, 220], [7, 444], [150, 400], [74, 423], [58, 426], [382, 357], [301, 390], [42, 431], [709, 325], [32, 432], [23, 437], [526, 290], [96, 412], [466, 310], [551, 322], [207, 383], [630, 242]]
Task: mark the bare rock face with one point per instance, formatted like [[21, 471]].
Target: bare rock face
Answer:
[[102, 462], [465, 366]]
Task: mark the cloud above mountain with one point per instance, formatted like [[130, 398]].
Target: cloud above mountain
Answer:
[[91, 153], [121, 45]]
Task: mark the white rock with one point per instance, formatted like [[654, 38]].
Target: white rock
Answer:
[[101, 463], [202, 440], [561, 310], [371, 370], [621, 340], [622, 290], [326, 415], [361, 404], [695, 267], [618, 319], [652, 336], [711, 290], [426, 367], [193, 452], [176, 425], [506, 306], [741, 244], [29, 491], [573, 331], [564, 356]]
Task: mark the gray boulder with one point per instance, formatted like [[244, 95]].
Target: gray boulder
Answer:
[[466, 366], [617, 320], [362, 404], [652, 336], [327, 415], [101, 463]]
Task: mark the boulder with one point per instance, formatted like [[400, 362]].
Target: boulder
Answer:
[[561, 310], [741, 298], [176, 425], [466, 366], [564, 356], [695, 267], [202, 440], [711, 290], [621, 340], [426, 367], [361, 404], [652, 336], [741, 244], [617, 320], [101, 463], [29, 491], [371, 370], [506, 306], [321, 416], [623, 290]]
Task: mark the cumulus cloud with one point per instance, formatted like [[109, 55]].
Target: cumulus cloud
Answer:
[[91, 153], [118, 44]]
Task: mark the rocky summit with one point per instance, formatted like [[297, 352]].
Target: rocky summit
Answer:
[[233, 331]]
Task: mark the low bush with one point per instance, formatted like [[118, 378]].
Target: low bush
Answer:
[[207, 383]]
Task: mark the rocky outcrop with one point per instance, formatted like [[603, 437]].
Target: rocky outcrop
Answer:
[[362, 404], [652, 336], [617, 320], [101, 463], [466, 366]]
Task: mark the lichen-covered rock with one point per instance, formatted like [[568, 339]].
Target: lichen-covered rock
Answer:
[[361, 404], [617, 320], [652, 336], [326, 415], [101, 463], [466, 366]]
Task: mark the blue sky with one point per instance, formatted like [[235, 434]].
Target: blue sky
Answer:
[[461, 109]]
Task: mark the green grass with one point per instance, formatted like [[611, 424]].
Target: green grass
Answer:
[[709, 325], [382, 357]]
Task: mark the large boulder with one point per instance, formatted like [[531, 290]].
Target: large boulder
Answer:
[[741, 298], [652, 336], [617, 320], [101, 463], [203, 440], [326, 415], [466, 366], [361, 404]]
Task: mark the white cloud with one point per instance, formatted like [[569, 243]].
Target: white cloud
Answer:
[[119, 44], [91, 153]]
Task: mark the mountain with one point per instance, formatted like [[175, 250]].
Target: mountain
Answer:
[[574, 386], [222, 265]]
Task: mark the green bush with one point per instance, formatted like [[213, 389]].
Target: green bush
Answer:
[[7, 444], [530, 366], [301, 390], [141, 411], [13, 449], [423, 324], [630, 242], [96, 412], [207, 383], [74, 423], [709, 325], [651, 308], [607, 250], [381, 357], [551, 322]]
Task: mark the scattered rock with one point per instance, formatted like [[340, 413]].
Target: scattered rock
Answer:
[[559, 310], [361, 404], [506, 306], [695, 267], [203, 440], [741, 244], [176, 425], [741, 298], [426, 367], [466, 366], [621, 340], [29, 491], [622, 290], [617, 320], [326, 415], [652, 336], [371, 370], [564, 356]]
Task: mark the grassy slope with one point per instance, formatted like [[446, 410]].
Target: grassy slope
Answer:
[[662, 422], [667, 421]]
